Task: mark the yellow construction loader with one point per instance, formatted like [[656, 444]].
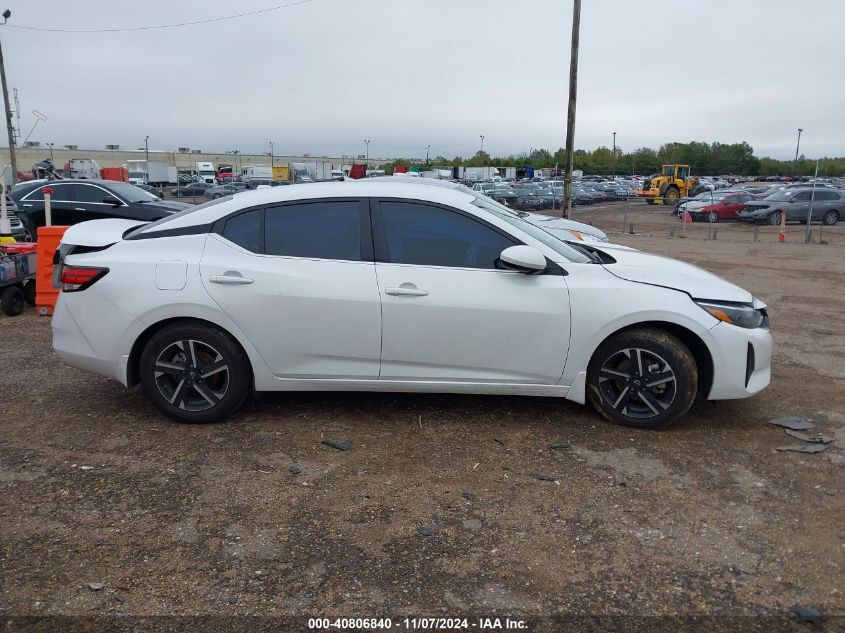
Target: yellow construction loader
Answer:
[[670, 185]]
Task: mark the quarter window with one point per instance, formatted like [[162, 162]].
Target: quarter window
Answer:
[[432, 236], [245, 230], [320, 230]]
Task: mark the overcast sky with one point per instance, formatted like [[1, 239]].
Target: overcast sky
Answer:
[[322, 76]]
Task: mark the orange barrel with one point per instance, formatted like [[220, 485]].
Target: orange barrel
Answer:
[[48, 242]]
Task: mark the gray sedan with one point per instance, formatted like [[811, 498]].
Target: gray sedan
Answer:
[[212, 193], [828, 207]]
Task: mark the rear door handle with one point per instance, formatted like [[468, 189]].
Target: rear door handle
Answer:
[[79, 209], [405, 292], [230, 280]]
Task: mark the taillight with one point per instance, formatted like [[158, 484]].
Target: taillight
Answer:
[[75, 278]]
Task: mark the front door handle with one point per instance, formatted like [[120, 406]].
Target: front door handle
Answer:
[[230, 280], [405, 292], [79, 209]]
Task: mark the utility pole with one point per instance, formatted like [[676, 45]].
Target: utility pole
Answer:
[[13, 159], [482, 142], [613, 160], [570, 113], [797, 145]]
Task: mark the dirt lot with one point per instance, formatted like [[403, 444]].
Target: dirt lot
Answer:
[[705, 519]]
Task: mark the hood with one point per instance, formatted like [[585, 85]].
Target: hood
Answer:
[[548, 222], [671, 273]]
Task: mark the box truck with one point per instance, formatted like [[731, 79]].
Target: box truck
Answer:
[[83, 168], [155, 173]]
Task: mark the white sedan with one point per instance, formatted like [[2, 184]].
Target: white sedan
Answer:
[[384, 286]]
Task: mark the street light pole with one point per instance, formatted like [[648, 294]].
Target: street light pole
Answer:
[[613, 160], [367, 142], [797, 145], [482, 143], [147, 155], [427, 147], [13, 159], [570, 112], [272, 157], [51, 151]]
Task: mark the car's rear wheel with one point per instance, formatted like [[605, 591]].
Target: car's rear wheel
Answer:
[[12, 300], [774, 218], [644, 378], [831, 217], [194, 373], [713, 216], [179, 194]]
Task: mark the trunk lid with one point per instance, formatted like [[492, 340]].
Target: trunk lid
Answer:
[[85, 237]]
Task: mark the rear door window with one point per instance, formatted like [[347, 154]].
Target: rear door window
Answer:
[[326, 229]]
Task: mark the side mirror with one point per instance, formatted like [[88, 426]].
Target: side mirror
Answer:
[[524, 259], [112, 201]]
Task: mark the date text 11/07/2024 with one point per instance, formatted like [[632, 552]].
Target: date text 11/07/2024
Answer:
[[425, 624]]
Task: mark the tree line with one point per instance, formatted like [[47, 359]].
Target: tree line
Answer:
[[713, 159]]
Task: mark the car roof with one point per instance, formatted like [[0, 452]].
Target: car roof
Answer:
[[211, 212]]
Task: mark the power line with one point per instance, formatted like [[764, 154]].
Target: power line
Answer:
[[160, 26]]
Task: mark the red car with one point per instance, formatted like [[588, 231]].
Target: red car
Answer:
[[725, 207]]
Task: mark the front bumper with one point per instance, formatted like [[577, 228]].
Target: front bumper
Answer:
[[742, 361]]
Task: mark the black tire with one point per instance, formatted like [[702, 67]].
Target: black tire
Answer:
[[179, 194], [671, 195], [622, 368], [713, 217], [215, 196], [830, 218], [29, 292], [12, 300], [774, 218], [183, 391], [649, 200]]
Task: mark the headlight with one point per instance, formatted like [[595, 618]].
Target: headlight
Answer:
[[739, 314]]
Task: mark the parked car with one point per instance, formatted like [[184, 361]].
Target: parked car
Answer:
[[158, 193], [190, 189], [526, 200], [219, 191], [75, 201], [460, 295], [724, 208], [498, 191], [828, 207]]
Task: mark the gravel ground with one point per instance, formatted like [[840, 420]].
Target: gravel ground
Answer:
[[706, 519]]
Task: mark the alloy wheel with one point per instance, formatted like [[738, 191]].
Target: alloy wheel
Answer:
[[637, 383], [191, 375]]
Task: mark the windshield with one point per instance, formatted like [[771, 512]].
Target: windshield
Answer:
[[131, 193], [501, 211]]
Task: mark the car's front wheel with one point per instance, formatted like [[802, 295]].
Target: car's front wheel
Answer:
[[645, 378], [774, 218], [831, 217], [194, 373]]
